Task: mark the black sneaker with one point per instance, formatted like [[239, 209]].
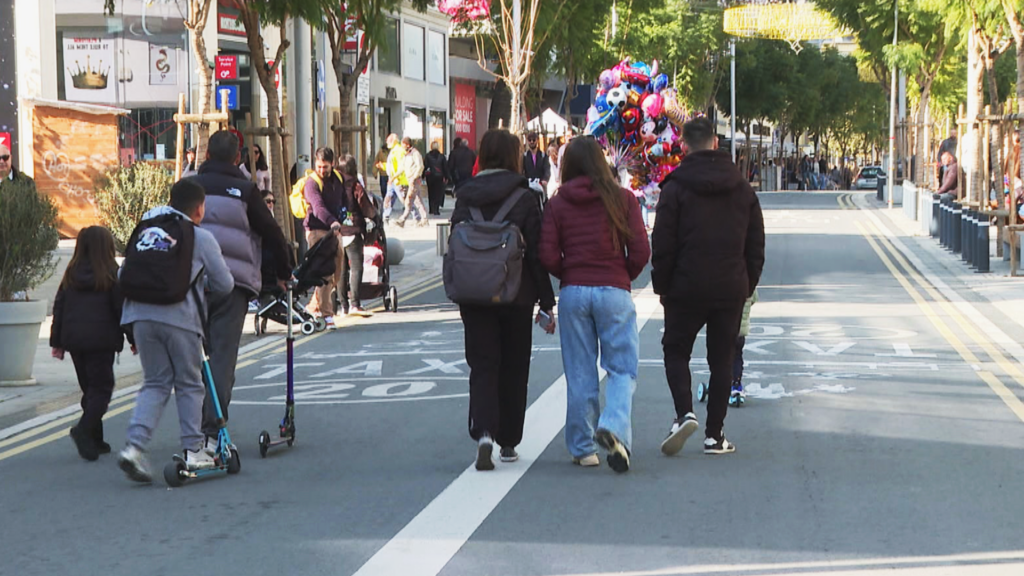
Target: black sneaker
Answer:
[[102, 447], [484, 450], [618, 455], [86, 446], [718, 446], [508, 455], [681, 430]]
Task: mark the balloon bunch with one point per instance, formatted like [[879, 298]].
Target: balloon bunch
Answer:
[[639, 117]]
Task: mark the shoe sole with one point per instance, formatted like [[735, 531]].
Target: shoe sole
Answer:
[[509, 458], [618, 458], [134, 472], [484, 461], [674, 443], [719, 451]]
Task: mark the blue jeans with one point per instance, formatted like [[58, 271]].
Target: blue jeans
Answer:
[[394, 191], [597, 318]]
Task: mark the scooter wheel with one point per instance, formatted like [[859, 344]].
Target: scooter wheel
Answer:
[[393, 296], [702, 392], [387, 303], [320, 324], [172, 474], [234, 462], [308, 328], [264, 443], [291, 440]]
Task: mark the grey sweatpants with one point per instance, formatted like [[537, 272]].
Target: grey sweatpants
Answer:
[[227, 316], [171, 360]]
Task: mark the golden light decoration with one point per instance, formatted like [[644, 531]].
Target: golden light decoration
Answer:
[[792, 22]]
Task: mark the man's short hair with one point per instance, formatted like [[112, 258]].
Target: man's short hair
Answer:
[[699, 134], [456, 142], [324, 154], [223, 146], [187, 195], [435, 145], [407, 141], [531, 136]]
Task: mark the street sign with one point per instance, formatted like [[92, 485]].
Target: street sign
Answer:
[[232, 90], [5, 139], [227, 67], [363, 90], [321, 86]]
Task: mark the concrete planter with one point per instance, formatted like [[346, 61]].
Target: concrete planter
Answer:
[[19, 337]]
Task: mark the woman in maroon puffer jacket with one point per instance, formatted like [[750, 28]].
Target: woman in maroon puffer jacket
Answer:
[[593, 240]]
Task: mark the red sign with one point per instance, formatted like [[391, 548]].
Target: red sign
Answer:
[[227, 67], [465, 113], [229, 24], [277, 74], [5, 139]]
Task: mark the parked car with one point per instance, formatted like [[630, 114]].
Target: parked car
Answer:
[[868, 178]]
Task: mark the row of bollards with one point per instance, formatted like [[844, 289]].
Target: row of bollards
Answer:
[[963, 231]]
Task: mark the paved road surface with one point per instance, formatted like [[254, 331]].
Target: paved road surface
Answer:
[[883, 431]]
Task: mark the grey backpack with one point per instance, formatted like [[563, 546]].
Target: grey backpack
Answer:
[[484, 262]]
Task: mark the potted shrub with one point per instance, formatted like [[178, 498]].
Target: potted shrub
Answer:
[[123, 195], [28, 238]]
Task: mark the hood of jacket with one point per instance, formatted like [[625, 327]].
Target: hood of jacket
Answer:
[[579, 191], [163, 211], [83, 278], [706, 172], [490, 186]]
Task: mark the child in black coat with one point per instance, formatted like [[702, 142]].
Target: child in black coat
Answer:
[[87, 323]]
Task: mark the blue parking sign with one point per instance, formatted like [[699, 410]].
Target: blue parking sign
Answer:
[[232, 90]]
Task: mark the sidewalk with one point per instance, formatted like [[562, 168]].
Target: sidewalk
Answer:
[[57, 384]]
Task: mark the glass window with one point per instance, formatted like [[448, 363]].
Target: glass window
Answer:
[[437, 56], [412, 52], [413, 127], [388, 57], [438, 120]]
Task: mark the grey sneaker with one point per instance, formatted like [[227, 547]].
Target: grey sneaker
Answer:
[[132, 461], [508, 454], [681, 430], [618, 455]]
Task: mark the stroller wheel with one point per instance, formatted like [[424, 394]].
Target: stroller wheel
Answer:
[[308, 328], [256, 327], [319, 324], [263, 325], [393, 297]]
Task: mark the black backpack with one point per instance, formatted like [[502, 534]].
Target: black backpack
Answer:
[[157, 265]]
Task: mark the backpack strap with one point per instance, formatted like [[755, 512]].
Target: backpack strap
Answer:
[[509, 203]]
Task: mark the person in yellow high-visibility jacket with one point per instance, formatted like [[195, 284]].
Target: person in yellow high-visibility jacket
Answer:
[[396, 174]]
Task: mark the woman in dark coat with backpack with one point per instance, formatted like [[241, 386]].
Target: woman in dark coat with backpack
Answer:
[[499, 337]]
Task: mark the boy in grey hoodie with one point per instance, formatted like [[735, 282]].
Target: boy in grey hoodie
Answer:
[[169, 341]]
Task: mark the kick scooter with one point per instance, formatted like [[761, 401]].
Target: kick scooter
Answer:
[[286, 429]]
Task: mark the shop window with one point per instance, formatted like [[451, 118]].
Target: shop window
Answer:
[[438, 122], [413, 51], [437, 58], [388, 55], [414, 127]]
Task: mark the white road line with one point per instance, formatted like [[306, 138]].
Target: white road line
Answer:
[[428, 542]]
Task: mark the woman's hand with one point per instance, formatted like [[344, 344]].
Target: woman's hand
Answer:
[[546, 320], [57, 353]]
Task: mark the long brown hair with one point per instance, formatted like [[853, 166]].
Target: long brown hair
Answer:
[[95, 245], [585, 157], [500, 150]]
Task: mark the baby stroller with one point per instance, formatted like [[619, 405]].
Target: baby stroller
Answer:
[[376, 281], [317, 264]]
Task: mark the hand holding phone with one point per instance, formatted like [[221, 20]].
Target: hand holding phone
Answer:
[[546, 320]]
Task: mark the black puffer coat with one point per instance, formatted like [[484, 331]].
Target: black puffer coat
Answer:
[[85, 320]]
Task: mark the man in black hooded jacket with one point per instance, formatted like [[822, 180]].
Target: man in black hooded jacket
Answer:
[[707, 255]]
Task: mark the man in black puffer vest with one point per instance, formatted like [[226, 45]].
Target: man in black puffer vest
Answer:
[[707, 255], [238, 218]]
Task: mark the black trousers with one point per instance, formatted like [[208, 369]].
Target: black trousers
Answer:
[[351, 274], [499, 341], [683, 321], [95, 372], [435, 195]]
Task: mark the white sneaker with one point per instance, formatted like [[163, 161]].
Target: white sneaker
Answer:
[[484, 450], [330, 323], [132, 461], [198, 460], [360, 311], [681, 430], [210, 447], [587, 461]]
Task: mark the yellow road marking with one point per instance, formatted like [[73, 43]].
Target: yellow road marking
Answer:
[[1001, 390], [58, 435]]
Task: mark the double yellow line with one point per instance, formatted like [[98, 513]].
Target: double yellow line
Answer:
[[127, 402], [904, 272]]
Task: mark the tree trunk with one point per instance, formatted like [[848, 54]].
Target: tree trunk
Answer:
[[921, 144], [199, 10], [1017, 30], [975, 96], [515, 121]]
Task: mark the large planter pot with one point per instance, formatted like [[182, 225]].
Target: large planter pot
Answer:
[[19, 337]]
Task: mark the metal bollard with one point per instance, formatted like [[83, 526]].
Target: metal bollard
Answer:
[[443, 231], [956, 235], [970, 233], [933, 226], [944, 225], [982, 254]]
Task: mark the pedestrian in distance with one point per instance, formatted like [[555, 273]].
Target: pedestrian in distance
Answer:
[[262, 168], [461, 161], [380, 168], [594, 241], [237, 216], [950, 174], [396, 175], [499, 337], [436, 173], [707, 257], [8, 173], [87, 325], [412, 172], [352, 237], [169, 337]]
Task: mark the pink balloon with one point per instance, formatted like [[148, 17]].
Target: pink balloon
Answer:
[[653, 105], [607, 79]]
